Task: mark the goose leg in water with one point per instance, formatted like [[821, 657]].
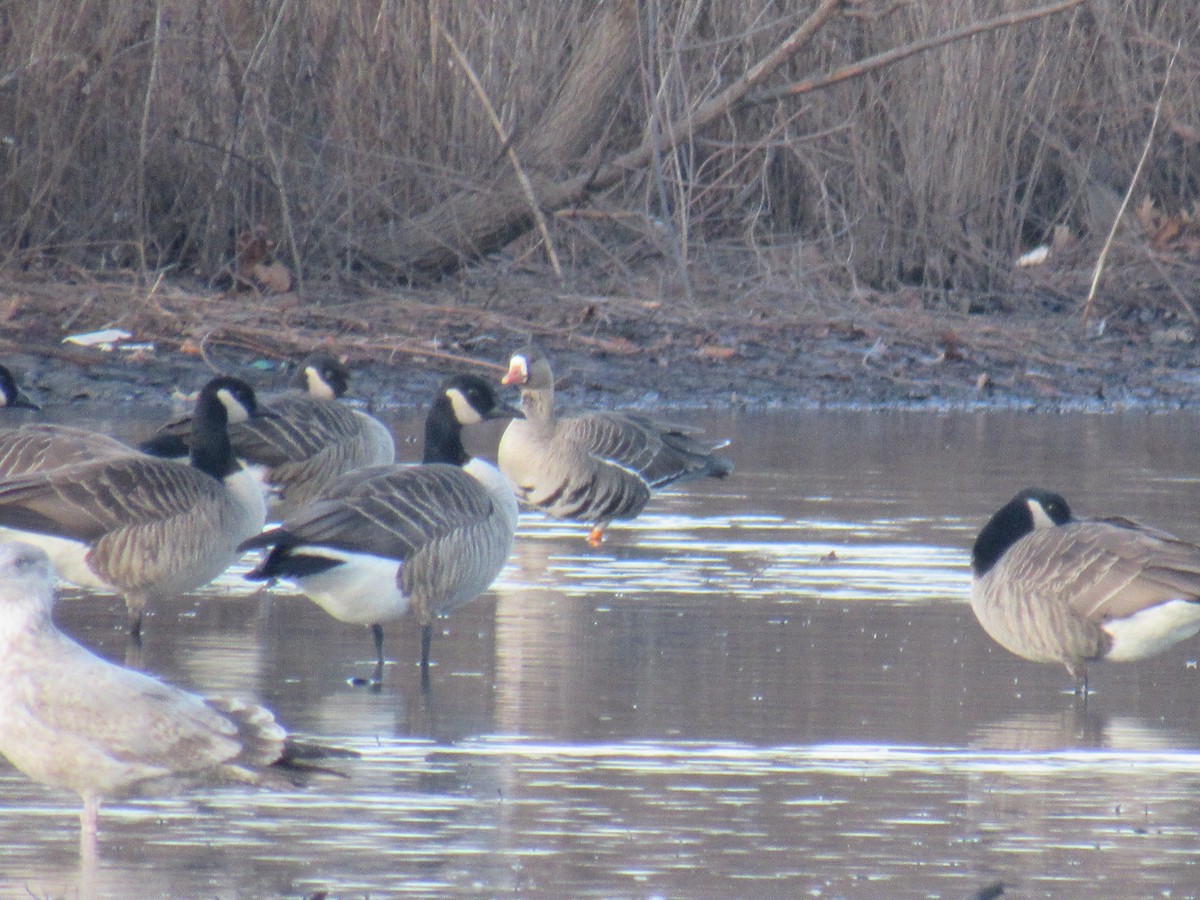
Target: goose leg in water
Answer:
[[376, 678], [426, 638], [596, 536]]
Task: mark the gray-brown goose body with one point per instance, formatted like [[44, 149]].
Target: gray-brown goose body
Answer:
[[389, 540], [310, 438], [40, 446], [141, 526], [598, 466], [72, 720], [1052, 588]]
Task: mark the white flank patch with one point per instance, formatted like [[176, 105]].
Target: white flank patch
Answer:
[[463, 410], [362, 590], [1152, 630]]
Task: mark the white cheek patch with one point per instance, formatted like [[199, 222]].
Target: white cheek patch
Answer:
[[317, 386], [464, 412], [1041, 519], [233, 407]]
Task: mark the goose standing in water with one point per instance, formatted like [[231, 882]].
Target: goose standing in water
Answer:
[[1052, 588], [310, 439], [387, 540], [594, 467], [70, 719], [10, 395], [141, 526]]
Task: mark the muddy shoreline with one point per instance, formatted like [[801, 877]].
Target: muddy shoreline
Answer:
[[615, 352]]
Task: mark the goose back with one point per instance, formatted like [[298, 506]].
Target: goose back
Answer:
[[40, 446], [310, 439]]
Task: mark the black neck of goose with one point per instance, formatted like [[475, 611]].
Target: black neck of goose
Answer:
[[212, 451], [443, 435], [1004, 529]]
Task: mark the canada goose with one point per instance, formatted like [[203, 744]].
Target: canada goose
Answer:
[[1052, 588], [70, 719], [40, 446], [310, 439], [10, 394], [594, 467], [386, 540], [142, 526]]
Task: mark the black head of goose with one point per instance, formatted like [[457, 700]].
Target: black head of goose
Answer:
[[75, 721], [142, 526], [388, 540], [310, 439], [597, 466], [10, 394], [1053, 588]]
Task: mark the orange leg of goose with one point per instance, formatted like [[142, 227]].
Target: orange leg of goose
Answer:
[[596, 536]]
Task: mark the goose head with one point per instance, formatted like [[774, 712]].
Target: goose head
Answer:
[[322, 376], [530, 368], [10, 394], [222, 402], [1029, 510], [461, 400]]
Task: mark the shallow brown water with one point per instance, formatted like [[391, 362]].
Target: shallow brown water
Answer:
[[765, 687]]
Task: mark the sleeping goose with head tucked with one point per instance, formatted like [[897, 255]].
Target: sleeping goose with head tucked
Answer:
[[1053, 588]]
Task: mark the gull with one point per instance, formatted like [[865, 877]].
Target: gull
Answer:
[[69, 719]]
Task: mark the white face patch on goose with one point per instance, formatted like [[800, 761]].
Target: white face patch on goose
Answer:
[[464, 412], [518, 370], [234, 408], [1041, 518], [317, 385]]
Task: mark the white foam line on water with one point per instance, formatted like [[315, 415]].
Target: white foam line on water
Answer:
[[855, 759]]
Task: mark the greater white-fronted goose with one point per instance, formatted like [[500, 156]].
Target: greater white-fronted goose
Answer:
[[310, 439], [142, 526], [384, 541], [597, 466], [10, 394], [72, 720], [1052, 588]]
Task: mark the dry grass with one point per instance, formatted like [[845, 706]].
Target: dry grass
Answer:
[[148, 136]]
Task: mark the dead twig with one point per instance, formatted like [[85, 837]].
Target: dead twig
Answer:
[[506, 142], [1112, 232], [890, 57]]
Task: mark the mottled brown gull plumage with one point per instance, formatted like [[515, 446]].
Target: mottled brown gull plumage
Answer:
[[72, 720]]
